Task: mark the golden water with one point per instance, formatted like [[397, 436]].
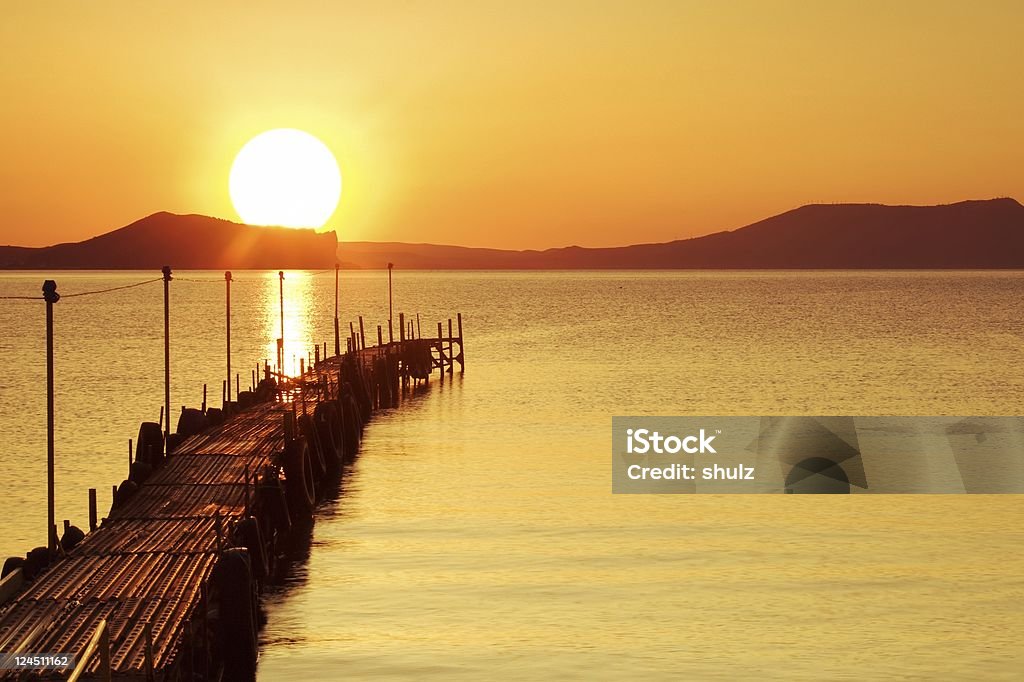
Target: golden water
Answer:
[[477, 537]]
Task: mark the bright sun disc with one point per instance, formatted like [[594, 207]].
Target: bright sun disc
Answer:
[[285, 177]]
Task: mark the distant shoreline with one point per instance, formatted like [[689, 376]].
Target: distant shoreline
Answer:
[[970, 235]]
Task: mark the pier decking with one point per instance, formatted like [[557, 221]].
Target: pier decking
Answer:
[[166, 587]]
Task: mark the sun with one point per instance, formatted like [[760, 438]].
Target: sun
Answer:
[[285, 177]]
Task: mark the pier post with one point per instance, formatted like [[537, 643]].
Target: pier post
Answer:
[[419, 332], [380, 337], [440, 350], [401, 326], [391, 314], [280, 342], [51, 296], [362, 333], [92, 509], [148, 631], [104, 671], [337, 337], [166, 270], [462, 348], [451, 348], [227, 316]]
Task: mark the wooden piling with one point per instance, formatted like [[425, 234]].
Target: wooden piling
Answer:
[[92, 509], [440, 349], [462, 347], [451, 361], [380, 336]]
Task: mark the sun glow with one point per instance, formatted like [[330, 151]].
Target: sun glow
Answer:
[[285, 177]]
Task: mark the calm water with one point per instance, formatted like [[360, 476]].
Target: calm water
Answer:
[[477, 537]]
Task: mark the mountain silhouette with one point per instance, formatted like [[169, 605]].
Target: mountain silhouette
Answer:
[[183, 241], [966, 235], [985, 234]]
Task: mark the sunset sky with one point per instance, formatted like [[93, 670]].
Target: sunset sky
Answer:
[[519, 125]]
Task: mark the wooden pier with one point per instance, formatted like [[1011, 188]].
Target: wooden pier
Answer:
[[167, 586]]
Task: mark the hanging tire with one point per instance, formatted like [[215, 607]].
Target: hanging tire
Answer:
[[273, 498], [125, 491], [149, 446], [329, 430], [236, 614], [12, 564], [215, 416], [248, 535], [317, 454], [190, 422], [299, 488], [350, 428], [72, 536], [139, 472], [173, 441], [266, 391], [36, 562]]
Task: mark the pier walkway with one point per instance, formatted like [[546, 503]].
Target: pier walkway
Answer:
[[167, 586]]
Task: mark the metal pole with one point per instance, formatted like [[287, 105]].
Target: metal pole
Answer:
[[227, 285], [280, 345], [167, 349], [51, 296], [391, 315], [337, 335]]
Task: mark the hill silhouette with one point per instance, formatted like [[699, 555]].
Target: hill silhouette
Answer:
[[985, 234], [966, 235], [184, 241]]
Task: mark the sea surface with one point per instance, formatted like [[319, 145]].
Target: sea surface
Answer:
[[477, 536]]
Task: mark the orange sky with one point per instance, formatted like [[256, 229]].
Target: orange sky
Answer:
[[518, 125]]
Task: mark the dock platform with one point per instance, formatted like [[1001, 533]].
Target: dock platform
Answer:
[[167, 586]]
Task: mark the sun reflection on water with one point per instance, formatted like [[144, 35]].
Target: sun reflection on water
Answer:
[[297, 292]]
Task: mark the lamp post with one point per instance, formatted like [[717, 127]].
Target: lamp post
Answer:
[[51, 296], [166, 270], [280, 341], [391, 315], [227, 314], [337, 337]]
